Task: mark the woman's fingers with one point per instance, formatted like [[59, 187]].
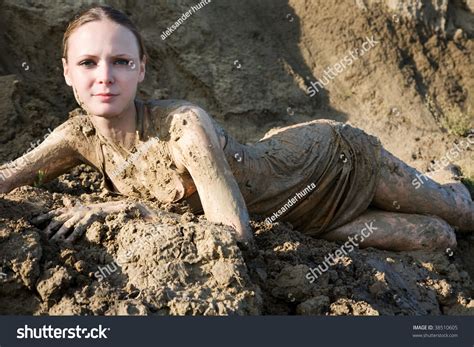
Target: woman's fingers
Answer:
[[52, 226], [61, 233], [145, 212], [79, 217], [54, 213], [77, 233], [42, 217], [81, 227]]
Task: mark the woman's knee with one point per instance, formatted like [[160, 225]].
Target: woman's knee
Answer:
[[437, 234]]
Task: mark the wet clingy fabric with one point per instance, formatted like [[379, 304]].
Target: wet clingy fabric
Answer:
[[321, 174]]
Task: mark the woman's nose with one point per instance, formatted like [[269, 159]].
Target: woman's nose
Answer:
[[105, 74]]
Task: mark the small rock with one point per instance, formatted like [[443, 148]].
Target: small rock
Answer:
[[313, 306], [458, 35], [80, 266], [128, 308]]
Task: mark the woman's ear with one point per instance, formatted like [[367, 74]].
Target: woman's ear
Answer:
[[141, 74], [66, 73]]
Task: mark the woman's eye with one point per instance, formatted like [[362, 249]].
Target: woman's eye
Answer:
[[86, 63], [122, 61]]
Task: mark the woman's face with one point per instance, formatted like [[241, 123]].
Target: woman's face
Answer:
[[103, 67]]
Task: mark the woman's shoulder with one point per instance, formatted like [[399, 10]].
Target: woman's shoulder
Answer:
[[77, 124], [163, 111]]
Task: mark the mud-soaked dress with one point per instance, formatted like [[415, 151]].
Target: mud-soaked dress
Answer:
[[316, 175]]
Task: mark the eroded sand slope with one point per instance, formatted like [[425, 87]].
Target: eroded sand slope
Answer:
[[249, 64]]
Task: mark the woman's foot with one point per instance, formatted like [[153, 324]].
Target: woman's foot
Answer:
[[450, 177]]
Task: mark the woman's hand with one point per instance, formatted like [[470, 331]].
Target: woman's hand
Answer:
[[80, 217]]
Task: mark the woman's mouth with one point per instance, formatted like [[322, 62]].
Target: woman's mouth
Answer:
[[105, 96]]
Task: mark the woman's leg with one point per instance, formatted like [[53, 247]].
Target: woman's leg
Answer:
[[395, 232], [402, 188]]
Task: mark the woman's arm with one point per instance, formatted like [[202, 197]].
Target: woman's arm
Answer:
[[53, 157], [195, 145]]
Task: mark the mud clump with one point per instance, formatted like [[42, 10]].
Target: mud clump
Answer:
[[184, 265], [126, 266]]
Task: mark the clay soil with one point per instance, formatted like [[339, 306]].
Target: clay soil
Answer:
[[248, 64]]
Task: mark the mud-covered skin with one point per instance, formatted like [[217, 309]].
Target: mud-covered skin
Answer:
[[187, 158], [79, 217], [195, 147], [413, 217], [430, 197], [396, 231], [187, 162]]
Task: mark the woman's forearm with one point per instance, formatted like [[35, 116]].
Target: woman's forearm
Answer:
[[195, 145], [50, 159], [243, 229], [223, 203]]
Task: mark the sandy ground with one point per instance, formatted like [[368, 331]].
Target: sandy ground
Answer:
[[248, 64]]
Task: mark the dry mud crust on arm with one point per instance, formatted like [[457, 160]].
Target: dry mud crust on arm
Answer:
[[65, 148], [195, 146]]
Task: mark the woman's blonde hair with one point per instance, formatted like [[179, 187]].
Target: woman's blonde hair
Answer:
[[98, 13]]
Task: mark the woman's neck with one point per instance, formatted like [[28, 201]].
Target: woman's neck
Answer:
[[120, 129]]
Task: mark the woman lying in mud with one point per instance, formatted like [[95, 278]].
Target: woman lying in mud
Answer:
[[321, 176]]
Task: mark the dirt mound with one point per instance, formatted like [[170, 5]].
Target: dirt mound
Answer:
[[250, 66], [184, 265], [178, 265]]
